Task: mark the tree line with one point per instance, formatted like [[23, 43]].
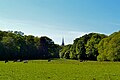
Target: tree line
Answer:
[[15, 45], [94, 46]]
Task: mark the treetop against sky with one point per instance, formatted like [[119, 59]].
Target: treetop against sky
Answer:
[[60, 18]]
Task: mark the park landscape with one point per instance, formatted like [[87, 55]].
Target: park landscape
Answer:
[[93, 56], [59, 39]]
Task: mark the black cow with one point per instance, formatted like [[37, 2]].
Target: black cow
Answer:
[[49, 60], [6, 61], [81, 60]]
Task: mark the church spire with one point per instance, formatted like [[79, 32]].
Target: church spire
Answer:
[[63, 42]]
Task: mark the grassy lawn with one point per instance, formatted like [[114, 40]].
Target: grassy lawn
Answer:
[[59, 70]]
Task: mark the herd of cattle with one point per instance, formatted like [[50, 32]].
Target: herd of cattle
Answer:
[[24, 61], [19, 60]]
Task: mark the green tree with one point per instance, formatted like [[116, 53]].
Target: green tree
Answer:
[[11, 49], [109, 48], [80, 50], [65, 52], [47, 48]]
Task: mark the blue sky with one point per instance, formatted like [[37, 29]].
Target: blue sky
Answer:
[[60, 18]]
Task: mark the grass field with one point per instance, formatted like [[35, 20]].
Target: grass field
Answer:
[[60, 70]]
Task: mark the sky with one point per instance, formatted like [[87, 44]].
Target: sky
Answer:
[[60, 18]]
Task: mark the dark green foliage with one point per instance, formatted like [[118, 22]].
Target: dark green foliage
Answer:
[[47, 48], [109, 48], [92, 46], [65, 52], [80, 50], [83, 48], [15, 45]]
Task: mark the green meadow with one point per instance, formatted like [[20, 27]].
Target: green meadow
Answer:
[[59, 70]]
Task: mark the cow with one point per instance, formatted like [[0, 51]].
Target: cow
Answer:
[[49, 60], [81, 60], [17, 60], [6, 61], [25, 61]]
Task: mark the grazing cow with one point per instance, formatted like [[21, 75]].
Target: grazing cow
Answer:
[[25, 61], [81, 60], [49, 60], [17, 60], [6, 61]]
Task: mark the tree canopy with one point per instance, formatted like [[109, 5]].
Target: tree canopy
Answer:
[[16, 45], [83, 48], [109, 48]]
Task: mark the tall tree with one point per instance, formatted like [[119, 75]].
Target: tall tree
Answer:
[[80, 50]]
